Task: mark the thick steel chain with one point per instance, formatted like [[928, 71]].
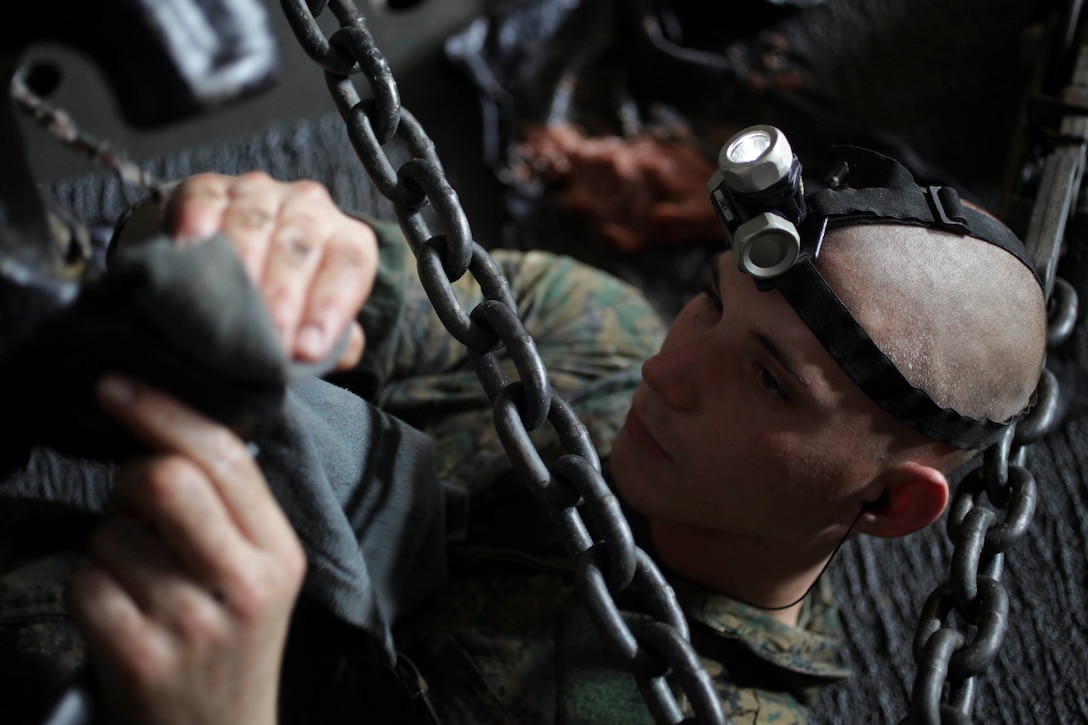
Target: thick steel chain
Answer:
[[570, 487], [963, 621]]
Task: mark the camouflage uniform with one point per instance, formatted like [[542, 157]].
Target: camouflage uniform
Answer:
[[505, 640]]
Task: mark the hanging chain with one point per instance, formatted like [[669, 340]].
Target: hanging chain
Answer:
[[963, 620], [571, 486], [608, 561], [63, 127]]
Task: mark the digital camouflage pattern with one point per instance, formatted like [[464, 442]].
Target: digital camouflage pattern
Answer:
[[593, 333]]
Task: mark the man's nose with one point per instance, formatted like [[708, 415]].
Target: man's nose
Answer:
[[675, 375]]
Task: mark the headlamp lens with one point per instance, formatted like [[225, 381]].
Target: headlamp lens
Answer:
[[766, 246], [749, 146], [754, 160], [771, 251]]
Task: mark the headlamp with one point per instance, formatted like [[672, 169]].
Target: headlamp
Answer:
[[756, 159], [759, 197], [776, 233]]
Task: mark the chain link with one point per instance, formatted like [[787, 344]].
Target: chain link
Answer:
[[963, 621], [61, 126], [570, 487]]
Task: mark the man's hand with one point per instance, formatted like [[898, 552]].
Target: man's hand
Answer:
[[187, 593], [315, 266]]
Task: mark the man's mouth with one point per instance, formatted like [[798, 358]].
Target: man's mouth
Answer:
[[642, 437]]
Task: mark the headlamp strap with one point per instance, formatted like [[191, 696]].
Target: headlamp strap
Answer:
[[936, 207], [883, 191], [824, 313]]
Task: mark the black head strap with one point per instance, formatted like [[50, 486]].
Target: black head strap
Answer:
[[884, 192], [851, 347]]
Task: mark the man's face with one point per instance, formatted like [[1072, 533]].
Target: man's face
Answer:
[[744, 424]]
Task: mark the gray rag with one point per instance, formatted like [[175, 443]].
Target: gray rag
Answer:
[[358, 485]]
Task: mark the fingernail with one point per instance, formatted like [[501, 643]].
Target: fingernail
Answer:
[[116, 391], [311, 341]]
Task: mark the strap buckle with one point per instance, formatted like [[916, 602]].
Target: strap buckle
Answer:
[[947, 209]]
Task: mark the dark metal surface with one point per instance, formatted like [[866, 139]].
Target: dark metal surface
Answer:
[[410, 34], [164, 61]]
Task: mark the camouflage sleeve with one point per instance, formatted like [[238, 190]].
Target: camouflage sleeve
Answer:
[[592, 330]]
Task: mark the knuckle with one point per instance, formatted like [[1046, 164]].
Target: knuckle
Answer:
[[292, 243], [165, 485], [202, 186], [144, 662], [351, 250], [168, 480], [255, 178], [311, 191], [252, 218], [197, 620], [294, 565], [252, 593], [225, 445], [268, 586]]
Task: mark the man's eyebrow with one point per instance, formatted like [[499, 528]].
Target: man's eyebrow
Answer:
[[779, 355]]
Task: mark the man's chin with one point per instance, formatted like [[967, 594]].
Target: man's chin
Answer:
[[628, 485]]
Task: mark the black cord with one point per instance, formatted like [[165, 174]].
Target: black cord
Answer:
[[866, 507]]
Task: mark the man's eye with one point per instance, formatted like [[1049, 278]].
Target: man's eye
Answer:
[[769, 382]]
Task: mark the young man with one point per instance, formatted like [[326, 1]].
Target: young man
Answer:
[[746, 454]]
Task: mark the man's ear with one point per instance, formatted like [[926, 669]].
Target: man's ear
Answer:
[[913, 497]]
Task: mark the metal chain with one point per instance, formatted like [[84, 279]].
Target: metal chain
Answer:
[[608, 561], [963, 620], [570, 487], [60, 124]]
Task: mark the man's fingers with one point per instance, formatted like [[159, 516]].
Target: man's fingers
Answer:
[[313, 265], [340, 285], [168, 426], [106, 615], [294, 255], [195, 210], [175, 498], [131, 552], [252, 213]]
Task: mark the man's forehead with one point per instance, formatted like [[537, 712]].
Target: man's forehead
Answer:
[[772, 324]]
